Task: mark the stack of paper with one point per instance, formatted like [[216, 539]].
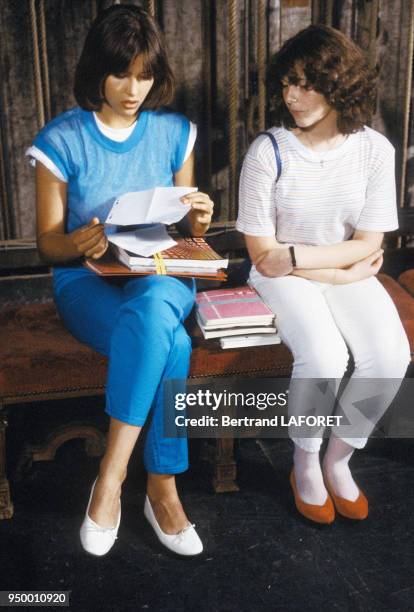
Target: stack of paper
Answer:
[[238, 317]]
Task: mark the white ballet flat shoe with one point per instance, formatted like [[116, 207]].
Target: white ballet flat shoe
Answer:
[[185, 542], [97, 540]]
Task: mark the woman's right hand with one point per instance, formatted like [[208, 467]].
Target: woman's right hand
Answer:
[[89, 240], [365, 268]]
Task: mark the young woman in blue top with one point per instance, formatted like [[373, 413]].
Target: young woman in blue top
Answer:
[[119, 139]]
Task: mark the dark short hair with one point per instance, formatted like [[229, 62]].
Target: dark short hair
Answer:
[[117, 36], [334, 66]]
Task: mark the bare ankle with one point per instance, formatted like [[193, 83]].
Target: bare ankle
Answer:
[[112, 477], [161, 487], [160, 496]]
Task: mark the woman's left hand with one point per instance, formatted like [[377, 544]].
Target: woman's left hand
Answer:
[[369, 266], [201, 211]]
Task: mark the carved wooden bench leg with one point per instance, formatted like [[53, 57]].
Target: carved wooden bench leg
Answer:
[[6, 506], [225, 468], [94, 440]]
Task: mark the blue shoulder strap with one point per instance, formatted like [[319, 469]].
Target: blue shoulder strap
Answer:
[[276, 150], [242, 274]]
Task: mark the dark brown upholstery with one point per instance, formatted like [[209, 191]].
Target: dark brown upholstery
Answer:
[[404, 303], [38, 355], [40, 359], [406, 279]]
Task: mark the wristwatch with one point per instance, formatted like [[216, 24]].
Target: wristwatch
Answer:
[[292, 256]]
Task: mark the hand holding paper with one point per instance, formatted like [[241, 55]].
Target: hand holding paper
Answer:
[[201, 208], [159, 205]]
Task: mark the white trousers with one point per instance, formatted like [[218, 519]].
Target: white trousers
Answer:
[[319, 322]]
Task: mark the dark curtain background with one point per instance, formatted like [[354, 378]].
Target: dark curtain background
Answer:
[[218, 50]]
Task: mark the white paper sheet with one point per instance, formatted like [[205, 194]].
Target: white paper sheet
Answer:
[[159, 205], [145, 241]]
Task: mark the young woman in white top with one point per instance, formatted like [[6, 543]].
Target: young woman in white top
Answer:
[[314, 236]]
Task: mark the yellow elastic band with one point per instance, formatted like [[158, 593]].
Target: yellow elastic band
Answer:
[[159, 264]]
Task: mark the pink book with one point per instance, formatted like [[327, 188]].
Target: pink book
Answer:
[[242, 306]]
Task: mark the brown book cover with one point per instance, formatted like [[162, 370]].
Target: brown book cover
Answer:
[[193, 250]]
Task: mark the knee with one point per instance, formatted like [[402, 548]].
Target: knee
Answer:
[[182, 342], [144, 324], [386, 360], [328, 360], [152, 310], [162, 301]]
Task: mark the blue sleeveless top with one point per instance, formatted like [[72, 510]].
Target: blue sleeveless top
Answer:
[[99, 169]]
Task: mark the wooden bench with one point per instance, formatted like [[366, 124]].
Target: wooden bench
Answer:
[[40, 360]]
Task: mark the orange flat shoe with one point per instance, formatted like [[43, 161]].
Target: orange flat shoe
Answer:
[[357, 510], [314, 512]]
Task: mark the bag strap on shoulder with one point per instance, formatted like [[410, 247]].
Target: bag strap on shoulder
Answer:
[[243, 271], [276, 150]]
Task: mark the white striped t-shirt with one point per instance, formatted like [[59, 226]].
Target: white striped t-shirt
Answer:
[[320, 197]]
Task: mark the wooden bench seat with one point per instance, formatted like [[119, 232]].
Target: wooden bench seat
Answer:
[[40, 360]]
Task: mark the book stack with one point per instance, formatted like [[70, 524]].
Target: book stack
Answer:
[[237, 317], [190, 257]]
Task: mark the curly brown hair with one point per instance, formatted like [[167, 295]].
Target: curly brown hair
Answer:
[[334, 66]]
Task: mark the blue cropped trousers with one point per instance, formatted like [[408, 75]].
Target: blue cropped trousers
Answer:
[[138, 324]]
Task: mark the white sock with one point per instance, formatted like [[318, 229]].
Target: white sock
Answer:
[[309, 479], [336, 468]]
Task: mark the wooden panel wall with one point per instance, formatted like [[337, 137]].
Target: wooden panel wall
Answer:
[[207, 67]]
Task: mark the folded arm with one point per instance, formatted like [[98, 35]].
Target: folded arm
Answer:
[[339, 255], [338, 263], [368, 265]]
